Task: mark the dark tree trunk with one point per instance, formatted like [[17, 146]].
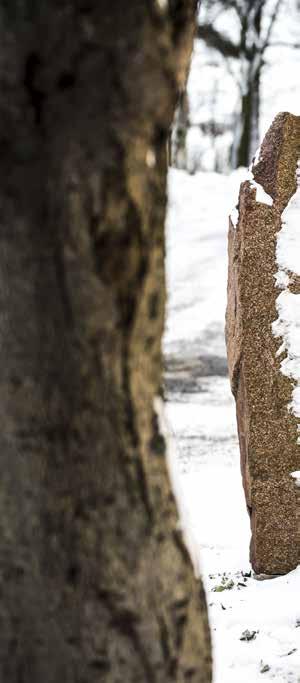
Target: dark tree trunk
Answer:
[[249, 129], [96, 584], [249, 134], [179, 133]]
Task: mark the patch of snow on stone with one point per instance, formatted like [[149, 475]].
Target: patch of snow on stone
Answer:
[[261, 195], [287, 325], [256, 159], [296, 405], [288, 241], [296, 476], [234, 216], [281, 349], [282, 279]]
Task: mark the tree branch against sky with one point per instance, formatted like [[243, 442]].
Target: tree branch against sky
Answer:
[[256, 20]]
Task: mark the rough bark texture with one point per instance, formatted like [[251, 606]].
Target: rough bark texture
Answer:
[[267, 431], [96, 584]]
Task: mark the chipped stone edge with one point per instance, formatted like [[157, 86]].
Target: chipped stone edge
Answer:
[[261, 196]]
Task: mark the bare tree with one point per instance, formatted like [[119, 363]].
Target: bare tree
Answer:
[[96, 583], [255, 21]]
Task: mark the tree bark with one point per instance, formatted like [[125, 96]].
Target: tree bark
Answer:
[[96, 584]]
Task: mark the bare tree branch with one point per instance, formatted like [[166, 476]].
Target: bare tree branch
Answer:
[[280, 43], [214, 39], [270, 27]]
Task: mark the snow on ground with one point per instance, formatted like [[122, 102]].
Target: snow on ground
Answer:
[[205, 463]]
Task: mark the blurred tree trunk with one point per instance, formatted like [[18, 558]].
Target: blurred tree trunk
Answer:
[[96, 584], [179, 132], [249, 126]]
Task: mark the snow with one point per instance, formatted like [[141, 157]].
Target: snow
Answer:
[[234, 216], [261, 194], [204, 454], [257, 158], [287, 325], [288, 242], [191, 270], [282, 279], [296, 476]]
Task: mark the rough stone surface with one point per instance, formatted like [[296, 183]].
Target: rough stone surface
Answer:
[[267, 431]]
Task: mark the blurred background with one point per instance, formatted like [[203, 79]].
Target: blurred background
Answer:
[[245, 69]]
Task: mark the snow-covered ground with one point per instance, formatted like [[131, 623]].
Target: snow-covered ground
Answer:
[[205, 457]]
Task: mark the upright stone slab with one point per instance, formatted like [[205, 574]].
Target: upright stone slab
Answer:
[[263, 343]]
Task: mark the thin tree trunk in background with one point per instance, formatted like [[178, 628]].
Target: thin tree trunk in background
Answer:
[[180, 131], [96, 584], [249, 128], [249, 136], [255, 119]]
